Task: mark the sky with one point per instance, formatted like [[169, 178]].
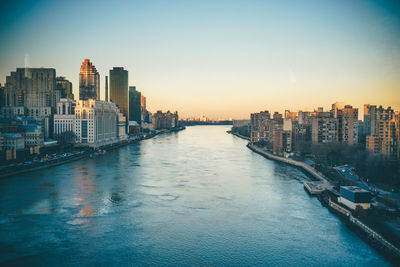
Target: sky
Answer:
[[221, 59]]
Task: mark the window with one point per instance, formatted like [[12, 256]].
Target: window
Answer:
[[84, 129]]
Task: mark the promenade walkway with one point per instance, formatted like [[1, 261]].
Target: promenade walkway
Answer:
[[374, 235], [324, 182]]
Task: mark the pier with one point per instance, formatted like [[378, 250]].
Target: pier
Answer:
[[314, 188]]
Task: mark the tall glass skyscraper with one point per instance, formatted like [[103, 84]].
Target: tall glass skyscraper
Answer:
[[135, 107], [89, 81], [119, 89]]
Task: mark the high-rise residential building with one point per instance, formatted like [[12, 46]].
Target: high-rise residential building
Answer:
[[347, 124], [372, 114], [89, 81], [372, 143], [302, 128], [96, 123], [277, 141], [336, 107], [324, 129], [259, 119], [396, 119], [386, 132], [306, 117], [361, 130], [119, 93], [366, 121], [287, 135], [386, 141], [274, 133], [291, 115], [277, 116], [381, 128], [302, 132], [64, 87], [165, 120], [260, 126]]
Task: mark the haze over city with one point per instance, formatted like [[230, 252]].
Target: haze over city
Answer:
[[223, 59]]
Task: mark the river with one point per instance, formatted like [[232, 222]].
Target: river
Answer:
[[196, 197]]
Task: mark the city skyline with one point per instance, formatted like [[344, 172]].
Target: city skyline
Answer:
[[200, 132], [225, 59]]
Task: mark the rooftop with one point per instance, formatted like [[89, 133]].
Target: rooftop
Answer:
[[354, 189], [11, 135]]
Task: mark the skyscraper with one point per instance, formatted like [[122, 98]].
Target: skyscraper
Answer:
[[31, 88], [64, 87], [106, 93], [30, 92], [89, 81], [119, 93], [135, 112]]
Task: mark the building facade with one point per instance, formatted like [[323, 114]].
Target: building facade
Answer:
[[31, 88], [12, 141], [64, 87], [122, 127], [119, 93], [260, 126], [135, 105], [96, 123], [64, 120], [381, 131], [33, 135], [372, 114], [30, 92], [348, 125], [353, 196], [324, 129], [165, 120], [386, 141]]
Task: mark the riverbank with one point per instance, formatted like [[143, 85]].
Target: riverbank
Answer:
[[368, 234], [170, 181], [19, 169], [239, 135], [68, 157], [310, 170]]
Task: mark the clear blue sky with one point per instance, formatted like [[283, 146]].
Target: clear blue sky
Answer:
[[218, 58]]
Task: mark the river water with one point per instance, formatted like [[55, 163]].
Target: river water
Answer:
[[197, 197]]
